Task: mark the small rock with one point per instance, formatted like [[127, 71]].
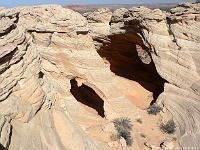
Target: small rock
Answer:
[[113, 144], [109, 127], [122, 142], [151, 146], [167, 145]]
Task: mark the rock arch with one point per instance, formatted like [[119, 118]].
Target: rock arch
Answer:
[[87, 96]]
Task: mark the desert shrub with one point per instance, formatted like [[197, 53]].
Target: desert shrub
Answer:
[[154, 109], [197, 1], [123, 124], [127, 136], [139, 120], [124, 127], [169, 127]]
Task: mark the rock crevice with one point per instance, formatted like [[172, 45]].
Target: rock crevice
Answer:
[[43, 48], [172, 40]]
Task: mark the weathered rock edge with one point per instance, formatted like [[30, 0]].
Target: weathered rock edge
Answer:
[[44, 47], [173, 41], [41, 49]]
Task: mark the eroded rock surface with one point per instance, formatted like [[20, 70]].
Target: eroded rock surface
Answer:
[[172, 40], [42, 49], [99, 24]]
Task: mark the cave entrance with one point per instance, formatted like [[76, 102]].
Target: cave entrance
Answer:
[[87, 96], [124, 62]]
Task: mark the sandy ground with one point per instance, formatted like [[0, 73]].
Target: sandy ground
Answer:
[[149, 127]]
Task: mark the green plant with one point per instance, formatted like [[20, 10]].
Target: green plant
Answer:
[[123, 124], [127, 136], [124, 127], [169, 127], [154, 109], [139, 120], [143, 135]]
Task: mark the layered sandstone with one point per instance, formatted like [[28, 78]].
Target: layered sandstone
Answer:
[[172, 41], [99, 24], [42, 49], [48, 54]]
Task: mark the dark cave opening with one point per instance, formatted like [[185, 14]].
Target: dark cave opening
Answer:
[[87, 96], [124, 61], [2, 148]]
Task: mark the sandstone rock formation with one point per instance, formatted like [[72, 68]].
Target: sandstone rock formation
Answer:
[[99, 24], [52, 58], [172, 41], [120, 48], [43, 48]]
